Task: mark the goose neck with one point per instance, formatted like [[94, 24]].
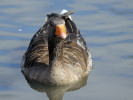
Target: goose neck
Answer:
[[55, 52]]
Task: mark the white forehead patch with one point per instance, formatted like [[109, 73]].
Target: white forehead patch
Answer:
[[64, 11]]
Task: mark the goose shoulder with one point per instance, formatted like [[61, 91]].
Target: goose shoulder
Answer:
[[74, 34], [37, 52]]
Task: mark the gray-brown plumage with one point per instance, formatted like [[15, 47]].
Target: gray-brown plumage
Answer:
[[57, 59]]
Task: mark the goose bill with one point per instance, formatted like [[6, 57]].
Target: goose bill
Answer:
[[61, 31]]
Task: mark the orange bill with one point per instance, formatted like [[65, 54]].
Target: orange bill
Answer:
[[61, 31]]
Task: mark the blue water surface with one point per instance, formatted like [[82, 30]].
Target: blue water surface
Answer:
[[107, 27]]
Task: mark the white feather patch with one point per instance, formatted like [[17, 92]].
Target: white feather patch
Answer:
[[64, 11]]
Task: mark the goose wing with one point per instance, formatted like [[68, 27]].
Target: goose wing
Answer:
[[37, 52], [76, 53]]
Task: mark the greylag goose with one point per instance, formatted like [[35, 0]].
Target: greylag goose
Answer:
[[57, 53]]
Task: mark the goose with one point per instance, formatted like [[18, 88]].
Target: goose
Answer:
[[57, 53]]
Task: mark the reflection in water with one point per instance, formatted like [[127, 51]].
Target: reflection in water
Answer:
[[107, 26], [56, 92]]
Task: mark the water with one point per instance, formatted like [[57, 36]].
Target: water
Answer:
[[107, 27]]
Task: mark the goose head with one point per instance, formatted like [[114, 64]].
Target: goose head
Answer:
[[57, 29], [56, 23]]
